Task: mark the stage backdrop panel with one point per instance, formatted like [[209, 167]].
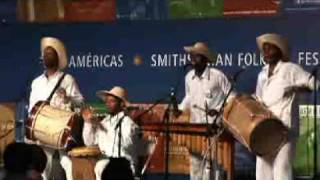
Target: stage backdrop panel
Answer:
[[104, 55], [147, 57], [304, 159]]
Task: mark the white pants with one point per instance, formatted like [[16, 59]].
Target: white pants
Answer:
[[278, 167], [98, 169], [64, 161], [199, 169], [66, 164]]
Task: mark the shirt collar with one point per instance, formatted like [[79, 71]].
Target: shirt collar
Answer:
[[57, 73], [117, 116], [276, 69], [205, 74], [278, 66]]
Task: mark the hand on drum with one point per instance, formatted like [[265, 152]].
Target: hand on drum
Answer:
[[289, 91], [61, 92]]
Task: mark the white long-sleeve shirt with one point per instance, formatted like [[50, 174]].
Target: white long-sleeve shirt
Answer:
[[42, 86], [270, 90], [105, 136], [210, 88]]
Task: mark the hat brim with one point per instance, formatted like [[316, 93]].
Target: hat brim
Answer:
[[261, 40], [59, 47], [103, 93], [193, 50]]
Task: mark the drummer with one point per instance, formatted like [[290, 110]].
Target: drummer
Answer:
[[206, 88], [106, 134], [67, 96], [278, 83]]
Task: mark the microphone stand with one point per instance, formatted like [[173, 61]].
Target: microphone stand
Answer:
[[137, 119], [217, 127], [233, 81], [164, 98], [166, 120], [119, 140], [209, 132], [119, 127]]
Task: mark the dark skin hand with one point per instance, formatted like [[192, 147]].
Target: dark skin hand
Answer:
[[113, 104], [289, 91]]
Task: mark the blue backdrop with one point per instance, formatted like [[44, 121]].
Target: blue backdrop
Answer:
[[118, 43], [158, 43]]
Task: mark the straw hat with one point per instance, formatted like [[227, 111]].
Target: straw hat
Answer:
[[116, 91], [276, 40], [200, 48], [58, 46]]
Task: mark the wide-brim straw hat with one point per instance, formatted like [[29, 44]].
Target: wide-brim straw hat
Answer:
[[202, 49], [58, 46], [277, 40], [117, 92]]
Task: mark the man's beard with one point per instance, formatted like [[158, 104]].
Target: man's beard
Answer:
[[199, 68], [50, 64], [272, 60]]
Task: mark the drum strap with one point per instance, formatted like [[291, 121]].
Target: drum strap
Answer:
[[56, 87]]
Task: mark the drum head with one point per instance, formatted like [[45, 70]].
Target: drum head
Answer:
[[89, 151], [268, 137]]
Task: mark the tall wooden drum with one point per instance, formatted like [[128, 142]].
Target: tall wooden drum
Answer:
[[84, 160]]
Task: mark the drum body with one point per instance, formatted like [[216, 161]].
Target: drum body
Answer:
[[50, 126], [84, 160], [254, 125]]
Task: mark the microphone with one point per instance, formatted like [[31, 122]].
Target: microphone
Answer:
[[174, 100], [237, 74]]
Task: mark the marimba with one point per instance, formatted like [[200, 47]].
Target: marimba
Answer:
[[195, 138]]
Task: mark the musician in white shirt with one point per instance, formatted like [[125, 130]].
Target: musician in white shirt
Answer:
[[205, 88], [278, 82], [105, 133], [54, 60]]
